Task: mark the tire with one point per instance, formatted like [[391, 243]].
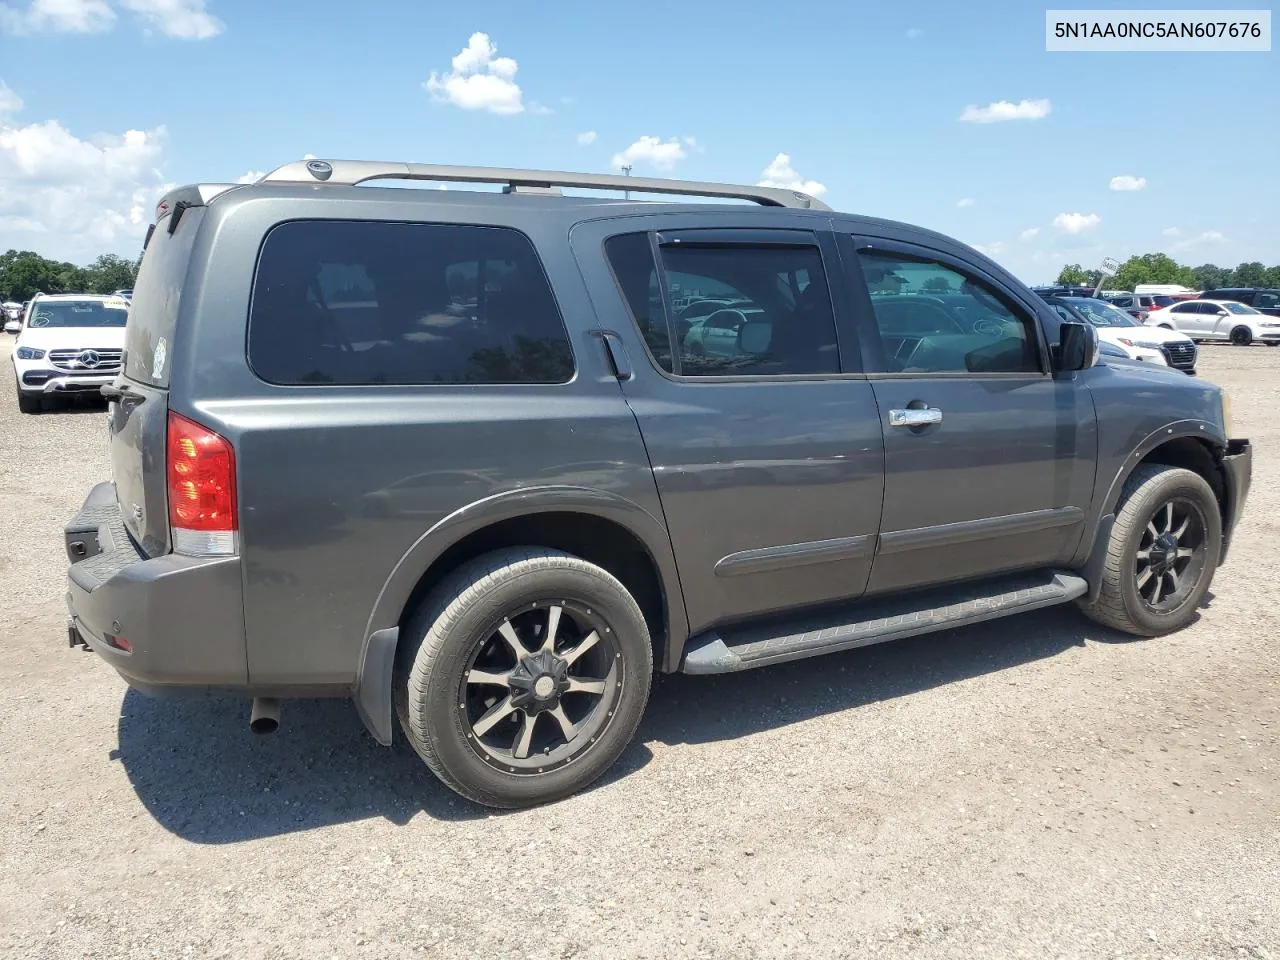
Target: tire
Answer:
[[1125, 601], [462, 630], [1242, 336]]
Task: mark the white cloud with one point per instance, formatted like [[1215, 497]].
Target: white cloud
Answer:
[[479, 79], [59, 16], [915, 33], [1003, 110], [659, 154], [780, 173], [1171, 232], [1030, 233], [1207, 238], [588, 138], [77, 197], [10, 102], [992, 249], [965, 202], [1076, 223], [252, 176], [183, 19], [1126, 183]]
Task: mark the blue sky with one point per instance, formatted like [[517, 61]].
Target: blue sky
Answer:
[[864, 99]]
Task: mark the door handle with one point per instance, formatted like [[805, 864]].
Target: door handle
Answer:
[[915, 418]]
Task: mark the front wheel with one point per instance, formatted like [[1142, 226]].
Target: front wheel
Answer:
[[1162, 553], [523, 677], [1242, 336]]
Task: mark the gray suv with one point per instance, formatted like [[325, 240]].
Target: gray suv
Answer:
[[454, 455]]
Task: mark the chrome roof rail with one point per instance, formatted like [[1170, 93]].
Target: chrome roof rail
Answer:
[[352, 172]]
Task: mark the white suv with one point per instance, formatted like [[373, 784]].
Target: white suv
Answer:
[[70, 343]]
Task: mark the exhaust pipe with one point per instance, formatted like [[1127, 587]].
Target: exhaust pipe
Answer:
[[264, 716]]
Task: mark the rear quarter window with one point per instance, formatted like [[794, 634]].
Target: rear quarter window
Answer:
[[343, 302], [153, 312]]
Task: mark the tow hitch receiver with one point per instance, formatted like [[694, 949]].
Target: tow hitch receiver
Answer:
[[74, 639]]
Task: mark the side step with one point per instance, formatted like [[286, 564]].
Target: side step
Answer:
[[875, 620]]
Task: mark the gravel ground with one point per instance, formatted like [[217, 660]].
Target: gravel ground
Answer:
[[1034, 787]]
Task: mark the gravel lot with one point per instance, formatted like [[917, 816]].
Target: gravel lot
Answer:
[[1033, 787]]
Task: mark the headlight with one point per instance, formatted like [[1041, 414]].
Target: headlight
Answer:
[[1269, 324], [1226, 412], [30, 353], [1141, 344]]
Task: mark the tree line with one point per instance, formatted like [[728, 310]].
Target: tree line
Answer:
[[24, 273], [1160, 268]]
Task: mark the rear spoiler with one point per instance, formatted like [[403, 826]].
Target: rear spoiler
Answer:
[[177, 201]]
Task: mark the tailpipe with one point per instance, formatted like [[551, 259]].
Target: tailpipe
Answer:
[[264, 716]]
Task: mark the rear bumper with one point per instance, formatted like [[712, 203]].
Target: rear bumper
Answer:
[[182, 617], [1237, 464]]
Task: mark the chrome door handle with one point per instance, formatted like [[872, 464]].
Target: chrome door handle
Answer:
[[914, 418]]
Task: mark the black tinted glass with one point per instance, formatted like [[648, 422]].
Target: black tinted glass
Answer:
[[632, 261], [349, 302]]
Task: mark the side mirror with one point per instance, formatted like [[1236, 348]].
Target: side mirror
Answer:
[[13, 326], [755, 336], [1077, 346]]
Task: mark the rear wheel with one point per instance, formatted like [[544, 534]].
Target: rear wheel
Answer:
[[1162, 553], [1242, 336], [522, 678]]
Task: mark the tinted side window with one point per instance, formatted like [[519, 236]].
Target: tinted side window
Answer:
[[968, 328], [734, 310], [350, 302], [1266, 300], [1185, 308]]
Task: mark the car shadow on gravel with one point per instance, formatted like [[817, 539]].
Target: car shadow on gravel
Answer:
[[687, 709], [203, 776]]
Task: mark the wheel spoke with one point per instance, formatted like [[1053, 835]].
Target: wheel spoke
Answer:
[[508, 633], [566, 726], [1182, 530], [1185, 552], [1173, 581], [1143, 577], [1151, 529], [589, 641], [497, 712], [484, 676], [1168, 516], [553, 624], [524, 737], [584, 685], [1144, 554], [1155, 593]]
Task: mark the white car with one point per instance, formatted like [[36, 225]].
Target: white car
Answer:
[[1158, 345], [1218, 320], [70, 343]]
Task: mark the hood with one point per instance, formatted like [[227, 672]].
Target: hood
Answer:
[[1142, 334], [72, 338]]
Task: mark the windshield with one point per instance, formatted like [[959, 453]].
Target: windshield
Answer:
[[1102, 314], [1239, 308], [1160, 300], [79, 313]]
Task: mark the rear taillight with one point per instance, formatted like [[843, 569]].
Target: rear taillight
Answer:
[[201, 470]]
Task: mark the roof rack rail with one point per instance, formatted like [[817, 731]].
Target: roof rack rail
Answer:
[[352, 172]]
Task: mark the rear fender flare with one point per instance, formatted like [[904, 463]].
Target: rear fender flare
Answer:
[[373, 686]]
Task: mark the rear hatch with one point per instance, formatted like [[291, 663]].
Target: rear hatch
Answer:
[[138, 416]]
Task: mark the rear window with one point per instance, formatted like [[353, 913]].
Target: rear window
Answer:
[[153, 312], [353, 302]]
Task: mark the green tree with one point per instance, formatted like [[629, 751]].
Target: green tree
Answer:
[[1251, 274], [1272, 277], [24, 273], [1209, 275], [1072, 275], [936, 285], [109, 273]]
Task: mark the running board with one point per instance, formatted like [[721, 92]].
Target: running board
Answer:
[[875, 620]]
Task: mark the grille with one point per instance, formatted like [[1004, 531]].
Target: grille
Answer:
[[86, 361], [1180, 355]]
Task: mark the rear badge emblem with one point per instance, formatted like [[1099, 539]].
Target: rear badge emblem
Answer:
[[158, 358]]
